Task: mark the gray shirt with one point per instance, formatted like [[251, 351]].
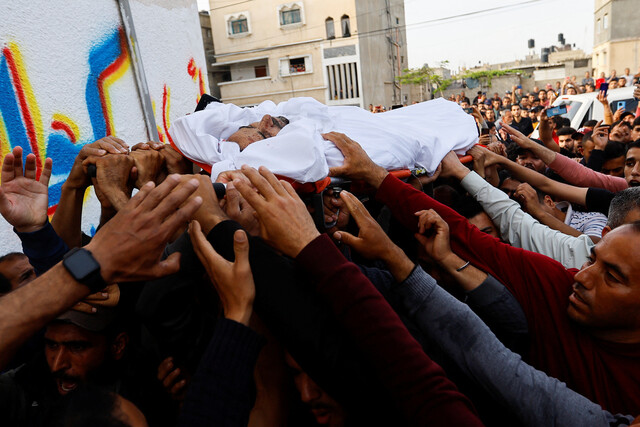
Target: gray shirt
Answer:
[[537, 399]]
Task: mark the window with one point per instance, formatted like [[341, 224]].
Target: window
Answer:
[[291, 14], [343, 81], [238, 71], [260, 71], [346, 26], [238, 24], [599, 26], [288, 17], [605, 21], [331, 29], [397, 21], [297, 65], [208, 33]]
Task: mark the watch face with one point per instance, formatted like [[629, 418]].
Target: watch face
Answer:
[[81, 264]]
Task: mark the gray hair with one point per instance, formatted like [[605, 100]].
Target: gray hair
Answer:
[[624, 202]]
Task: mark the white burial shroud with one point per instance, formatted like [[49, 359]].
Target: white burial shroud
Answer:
[[417, 135]]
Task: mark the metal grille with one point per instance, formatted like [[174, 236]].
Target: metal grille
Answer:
[[343, 81]]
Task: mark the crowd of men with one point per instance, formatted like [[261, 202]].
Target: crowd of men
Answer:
[[504, 291], [527, 107]]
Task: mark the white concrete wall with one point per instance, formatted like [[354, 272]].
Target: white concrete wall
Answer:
[[58, 57]]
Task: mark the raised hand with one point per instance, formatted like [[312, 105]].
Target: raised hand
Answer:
[[172, 379], [233, 280], [78, 177], [240, 211], [129, 247], [23, 198], [150, 165], [357, 164], [452, 167], [433, 234], [285, 222], [528, 197], [210, 213], [518, 137], [372, 242], [600, 136], [114, 179], [174, 161]]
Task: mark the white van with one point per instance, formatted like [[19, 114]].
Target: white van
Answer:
[[584, 107]]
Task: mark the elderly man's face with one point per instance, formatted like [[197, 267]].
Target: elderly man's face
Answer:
[[267, 127]]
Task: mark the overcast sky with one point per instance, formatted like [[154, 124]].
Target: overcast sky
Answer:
[[498, 35]]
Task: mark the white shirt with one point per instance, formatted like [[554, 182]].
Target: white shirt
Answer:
[[418, 135], [522, 230]]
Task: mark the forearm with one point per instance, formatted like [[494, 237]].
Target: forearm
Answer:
[[67, 220], [522, 230], [416, 383], [465, 274], [533, 396], [608, 114], [398, 264], [43, 247], [46, 297], [582, 176], [546, 136], [547, 185], [554, 223]]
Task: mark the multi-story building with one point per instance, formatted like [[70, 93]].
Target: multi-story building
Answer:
[[340, 52], [207, 42], [616, 36]]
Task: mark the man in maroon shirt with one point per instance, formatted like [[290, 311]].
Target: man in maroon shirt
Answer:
[[584, 325]]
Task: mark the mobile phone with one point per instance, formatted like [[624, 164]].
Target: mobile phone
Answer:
[[621, 104], [557, 111], [468, 110], [604, 87], [484, 131]]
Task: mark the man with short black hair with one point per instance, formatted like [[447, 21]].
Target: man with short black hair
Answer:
[[566, 141], [523, 124], [15, 268]]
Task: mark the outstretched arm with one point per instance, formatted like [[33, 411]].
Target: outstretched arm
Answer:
[[67, 219], [425, 396], [562, 191], [516, 226], [128, 248], [535, 398]]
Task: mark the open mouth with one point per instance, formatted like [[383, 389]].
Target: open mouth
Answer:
[[634, 183], [66, 386], [322, 416]]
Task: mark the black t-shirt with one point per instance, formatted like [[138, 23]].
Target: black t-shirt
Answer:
[[599, 200], [525, 126]]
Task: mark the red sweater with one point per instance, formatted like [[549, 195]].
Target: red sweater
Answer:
[[606, 373], [418, 385]]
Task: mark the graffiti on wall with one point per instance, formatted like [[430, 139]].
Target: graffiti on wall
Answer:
[[195, 73], [21, 123]]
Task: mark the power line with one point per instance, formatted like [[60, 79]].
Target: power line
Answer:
[[415, 24]]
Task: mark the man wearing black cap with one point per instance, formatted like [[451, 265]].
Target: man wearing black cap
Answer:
[[79, 348]]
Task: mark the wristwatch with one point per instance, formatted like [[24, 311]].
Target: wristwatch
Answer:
[[84, 268]]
